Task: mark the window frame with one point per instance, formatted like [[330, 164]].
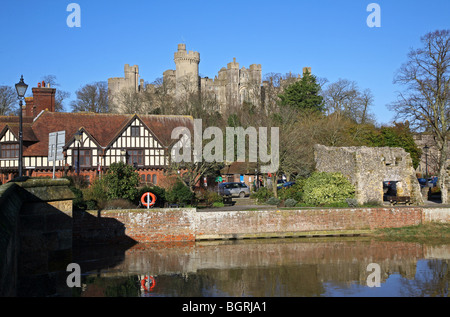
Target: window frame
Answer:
[[82, 157], [9, 150], [139, 155]]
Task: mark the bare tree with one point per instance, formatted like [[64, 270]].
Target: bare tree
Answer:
[[162, 91], [127, 100], [8, 98], [344, 98], [92, 98], [426, 100]]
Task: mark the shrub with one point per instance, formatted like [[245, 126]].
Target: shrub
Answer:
[[213, 197], [119, 204], [351, 202], [290, 202], [122, 180], [78, 201], [262, 194], [273, 201], [179, 194], [323, 188], [293, 192], [91, 205], [96, 193]]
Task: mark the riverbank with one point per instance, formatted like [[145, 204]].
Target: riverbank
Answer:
[[426, 232]]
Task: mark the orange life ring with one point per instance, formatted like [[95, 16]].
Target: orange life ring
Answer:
[[144, 201], [152, 283]]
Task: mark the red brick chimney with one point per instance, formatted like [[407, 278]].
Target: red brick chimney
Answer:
[[43, 99]]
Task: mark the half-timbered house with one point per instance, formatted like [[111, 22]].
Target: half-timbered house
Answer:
[[140, 140]]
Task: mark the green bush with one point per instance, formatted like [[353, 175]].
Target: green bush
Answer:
[[122, 181], [179, 194], [290, 202], [294, 192], [273, 201], [262, 194], [78, 201], [323, 188], [91, 205], [213, 197], [119, 204], [96, 193]]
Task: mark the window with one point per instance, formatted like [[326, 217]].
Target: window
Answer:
[[9, 150], [135, 156], [135, 131], [149, 178], [85, 158], [154, 179]]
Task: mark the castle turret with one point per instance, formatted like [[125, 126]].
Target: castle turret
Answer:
[[232, 87], [132, 76], [187, 78]]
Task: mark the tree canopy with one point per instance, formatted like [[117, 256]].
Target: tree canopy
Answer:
[[303, 94]]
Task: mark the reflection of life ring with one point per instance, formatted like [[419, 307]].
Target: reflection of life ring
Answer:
[[152, 283], [144, 200]]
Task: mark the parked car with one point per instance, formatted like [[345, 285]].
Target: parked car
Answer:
[[234, 189], [287, 185], [433, 180], [422, 182]]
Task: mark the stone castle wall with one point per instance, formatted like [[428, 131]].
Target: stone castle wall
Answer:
[[232, 86]]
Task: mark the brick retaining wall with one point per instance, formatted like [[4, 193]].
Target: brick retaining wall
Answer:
[[186, 224]]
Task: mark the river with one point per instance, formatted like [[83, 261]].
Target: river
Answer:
[[320, 267]]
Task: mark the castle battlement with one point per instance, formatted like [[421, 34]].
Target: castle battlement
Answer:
[[190, 56]]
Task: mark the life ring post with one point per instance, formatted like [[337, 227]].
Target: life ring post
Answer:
[[145, 199]]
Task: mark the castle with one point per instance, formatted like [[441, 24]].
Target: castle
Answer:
[[230, 87]]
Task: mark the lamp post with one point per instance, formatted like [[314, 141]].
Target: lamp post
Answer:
[[78, 136], [123, 152], [21, 89], [426, 148]]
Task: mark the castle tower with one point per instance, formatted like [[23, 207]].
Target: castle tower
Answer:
[[132, 76], [232, 87], [186, 73]]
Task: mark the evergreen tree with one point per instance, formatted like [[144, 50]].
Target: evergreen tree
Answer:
[[303, 94]]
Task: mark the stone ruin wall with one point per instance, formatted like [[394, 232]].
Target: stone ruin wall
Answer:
[[367, 168]]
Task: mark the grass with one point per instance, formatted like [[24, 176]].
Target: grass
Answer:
[[428, 232]]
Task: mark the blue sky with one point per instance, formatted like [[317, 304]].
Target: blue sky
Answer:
[[330, 36]]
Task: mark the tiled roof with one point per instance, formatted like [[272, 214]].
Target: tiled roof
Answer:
[[104, 128], [239, 168]]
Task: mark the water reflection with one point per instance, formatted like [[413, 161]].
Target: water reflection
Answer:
[[266, 268]]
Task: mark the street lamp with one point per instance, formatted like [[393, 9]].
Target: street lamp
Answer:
[[123, 152], [21, 89], [78, 136], [426, 148]]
